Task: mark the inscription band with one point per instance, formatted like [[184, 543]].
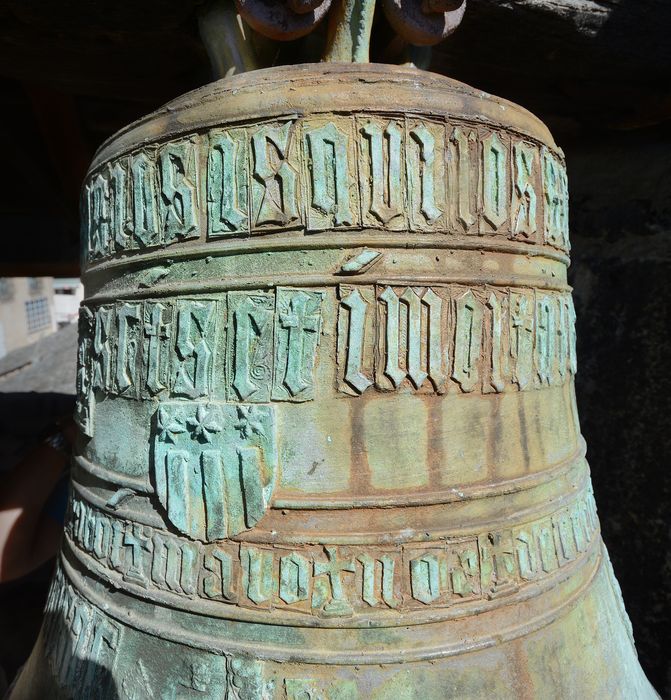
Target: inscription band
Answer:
[[330, 581]]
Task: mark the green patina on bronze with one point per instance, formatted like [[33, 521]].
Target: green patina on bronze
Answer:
[[329, 442]]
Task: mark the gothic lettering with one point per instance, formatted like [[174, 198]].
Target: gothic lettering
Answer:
[[85, 398], [80, 641], [556, 201], [178, 167], [259, 574], [275, 184], [421, 177], [334, 569], [196, 325], [330, 156], [119, 208], [494, 186], [467, 341], [354, 346], [218, 583], [496, 329], [461, 180], [157, 326], [524, 192], [425, 578], [332, 581], [294, 578], [392, 337], [437, 349], [227, 189], [99, 216], [297, 334], [102, 350], [250, 349], [522, 338], [383, 195], [425, 176], [145, 218], [545, 338], [128, 346]]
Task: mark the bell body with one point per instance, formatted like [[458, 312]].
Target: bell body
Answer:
[[329, 443]]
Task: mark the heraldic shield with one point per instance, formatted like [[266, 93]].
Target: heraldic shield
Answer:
[[215, 466]]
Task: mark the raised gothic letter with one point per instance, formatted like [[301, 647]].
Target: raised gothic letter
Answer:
[[227, 189], [377, 579], [556, 201], [260, 574], [275, 180], [85, 399], [496, 329], [166, 563], [330, 177], [566, 545], [102, 536], [250, 349], [157, 325], [527, 555], [562, 337], [425, 578], [436, 348], [414, 337], [102, 350], [179, 189], [145, 219], [128, 345], [463, 571], [357, 307], [138, 543], [548, 553], [461, 180], [468, 341], [494, 170], [545, 338], [196, 327], [333, 568], [298, 327], [99, 216], [384, 190], [572, 354], [524, 193], [421, 165], [119, 199], [497, 563], [392, 337], [117, 551], [218, 584], [522, 338], [101, 654], [294, 578], [189, 574]]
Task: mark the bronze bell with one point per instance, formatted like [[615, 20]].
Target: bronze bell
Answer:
[[329, 441]]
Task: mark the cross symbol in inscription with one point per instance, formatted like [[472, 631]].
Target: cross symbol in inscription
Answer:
[[156, 327], [298, 322], [333, 568], [499, 551], [135, 539], [521, 322], [156, 331]]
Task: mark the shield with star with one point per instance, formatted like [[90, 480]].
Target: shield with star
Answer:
[[215, 466]]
